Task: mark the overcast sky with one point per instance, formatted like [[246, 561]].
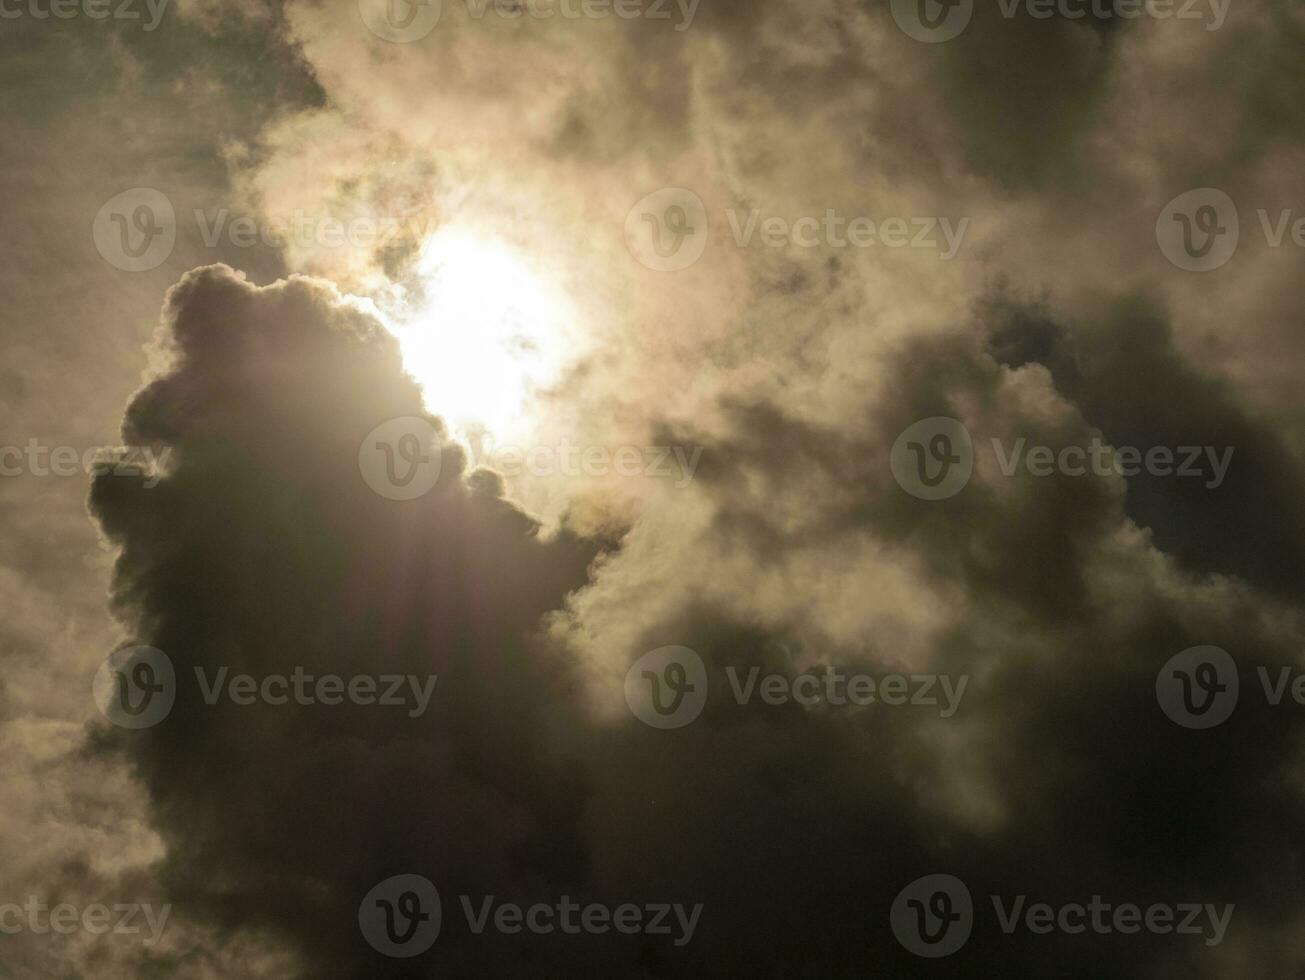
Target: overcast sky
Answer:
[[782, 452]]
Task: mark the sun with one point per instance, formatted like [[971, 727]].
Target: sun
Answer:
[[490, 334]]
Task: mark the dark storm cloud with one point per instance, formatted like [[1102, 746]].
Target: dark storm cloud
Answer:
[[1127, 378], [1016, 94], [1060, 780], [1064, 628], [1023, 91], [265, 550], [1001, 538]]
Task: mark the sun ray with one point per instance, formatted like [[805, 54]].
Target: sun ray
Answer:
[[489, 334]]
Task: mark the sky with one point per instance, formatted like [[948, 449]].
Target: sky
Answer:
[[651, 489]]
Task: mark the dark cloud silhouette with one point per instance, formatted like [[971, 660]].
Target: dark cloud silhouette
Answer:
[[263, 550], [1058, 779], [1125, 375]]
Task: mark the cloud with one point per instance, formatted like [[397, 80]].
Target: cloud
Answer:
[[793, 369], [239, 560], [528, 780]]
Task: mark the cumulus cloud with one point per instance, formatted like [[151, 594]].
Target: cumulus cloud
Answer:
[[264, 550], [792, 369]]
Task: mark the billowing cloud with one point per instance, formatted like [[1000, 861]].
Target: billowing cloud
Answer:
[[475, 196], [1057, 776]]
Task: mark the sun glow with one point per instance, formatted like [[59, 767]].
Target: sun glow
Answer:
[[490, 334]]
